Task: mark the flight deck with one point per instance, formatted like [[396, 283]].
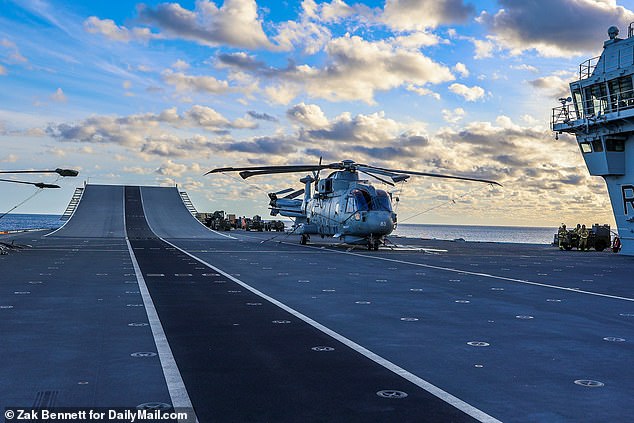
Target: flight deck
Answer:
[[133, 302]]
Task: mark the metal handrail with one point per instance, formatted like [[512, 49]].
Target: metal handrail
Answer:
[[586, 68], [593, 108]]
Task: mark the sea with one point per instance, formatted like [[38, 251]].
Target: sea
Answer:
[[16, 221], [513, 234]]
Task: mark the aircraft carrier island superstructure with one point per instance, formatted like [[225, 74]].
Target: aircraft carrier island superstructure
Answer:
[[600, 113]]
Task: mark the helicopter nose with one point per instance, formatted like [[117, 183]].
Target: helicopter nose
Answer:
[[380, 222]]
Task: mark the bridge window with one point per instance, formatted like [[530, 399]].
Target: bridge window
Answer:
[[596, 99], [585, 147], [597, 146], [621, 93], [614, 145], [576, 96]]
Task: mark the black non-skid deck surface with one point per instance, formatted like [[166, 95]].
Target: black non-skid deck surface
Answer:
[[524, 333], [244, 359]]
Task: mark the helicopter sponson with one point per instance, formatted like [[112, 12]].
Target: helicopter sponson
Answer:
[[342, 205]]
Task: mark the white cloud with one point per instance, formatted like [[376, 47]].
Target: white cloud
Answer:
[[11, 52], [235, 23], [109, 29], [358, 68], [554, 85], [525, 67], [308, 32], [59, 96], [9, 158], [453, 116], [461, 68], [184, 83], [422, 91], [421, 14], [180, 65], [468, 93], [308, 115], [554, 27]]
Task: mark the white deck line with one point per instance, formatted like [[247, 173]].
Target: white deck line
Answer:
[[467, 272], [173, 378], [427, 386]]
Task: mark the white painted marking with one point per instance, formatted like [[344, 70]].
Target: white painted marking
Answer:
[[173, 379], [432, 389], [484, 275]]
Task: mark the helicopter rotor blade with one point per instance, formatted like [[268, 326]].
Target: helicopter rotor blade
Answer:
[[370, 173], [294, 194], [37, 184], [434, 175], [247, 172], [59, 171], [284, 191]]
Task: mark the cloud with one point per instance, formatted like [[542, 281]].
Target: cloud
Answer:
[[3, 70], [461, 68], [180, 65], [367, 128], [177, 170], [59, 96], [422, 91], [261, 116], [109, 29], [406, 15], [568, 27], [147, 132], [309, 115], [554, 85], [453, 116], [234, 24], [525, 67], [357, 68], [468, 93], [307, 33], [10, 53], [202, 84], [9, 158]]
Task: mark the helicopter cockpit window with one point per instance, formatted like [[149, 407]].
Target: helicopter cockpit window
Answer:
[[381, 201], [362, 200]]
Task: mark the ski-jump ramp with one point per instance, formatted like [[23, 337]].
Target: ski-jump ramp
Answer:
[[101, 214]]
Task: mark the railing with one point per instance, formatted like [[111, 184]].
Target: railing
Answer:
[[593, 108], [586, 68], [188, 203], [72, 205]]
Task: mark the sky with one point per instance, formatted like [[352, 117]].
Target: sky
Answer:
[[158, 93]]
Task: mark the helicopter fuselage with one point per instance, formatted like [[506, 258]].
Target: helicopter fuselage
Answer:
[[341, 206]]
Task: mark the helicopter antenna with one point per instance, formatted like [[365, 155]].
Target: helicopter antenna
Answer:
[[451, 201], [316, 175]]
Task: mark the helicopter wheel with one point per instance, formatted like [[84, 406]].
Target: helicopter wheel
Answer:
[[304, 239]]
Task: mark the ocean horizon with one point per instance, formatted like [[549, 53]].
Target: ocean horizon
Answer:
[[473, 233]]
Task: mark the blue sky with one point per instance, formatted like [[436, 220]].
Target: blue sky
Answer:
[[158, 93]]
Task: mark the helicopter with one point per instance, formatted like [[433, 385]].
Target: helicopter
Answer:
[[343, 206]]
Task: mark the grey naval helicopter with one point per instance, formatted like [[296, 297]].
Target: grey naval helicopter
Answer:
[[343, 206]]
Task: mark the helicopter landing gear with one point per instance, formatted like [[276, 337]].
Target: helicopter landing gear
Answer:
[[373, 244], [304, 239]]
